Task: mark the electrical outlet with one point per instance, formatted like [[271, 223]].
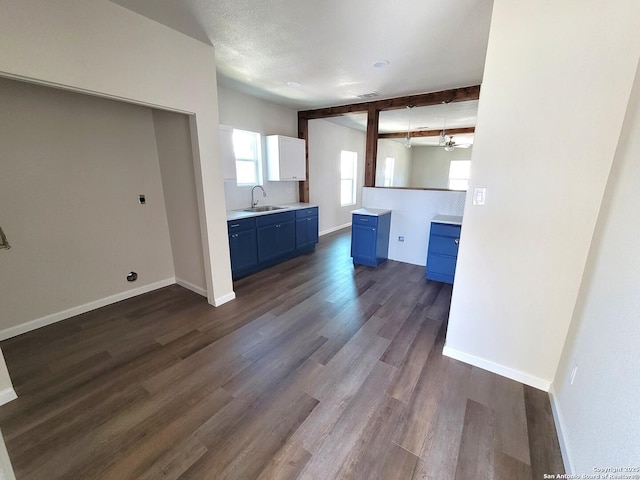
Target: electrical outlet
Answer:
[[142, 199], [401, 238]]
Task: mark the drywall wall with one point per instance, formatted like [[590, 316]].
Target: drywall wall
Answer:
[[245, 112], [599, 413], [6, 470], [430, 165], [412, 212], [402, 164], [326, 141], [7, 393], [72, 168], [173, 141], [522, 254], [104, 49]]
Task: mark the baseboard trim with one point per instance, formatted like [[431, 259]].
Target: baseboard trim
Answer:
[[7, 394], [224, 299], [511, 373], [192, 287], [557, 418], [334, 229], [87, 307]]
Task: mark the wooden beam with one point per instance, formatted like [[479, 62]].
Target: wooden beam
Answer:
[[303, 132], [420, 100], [371, 154], [428, 133]]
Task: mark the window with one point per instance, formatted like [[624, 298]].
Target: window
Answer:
[[348, 168], [246, 148], [389, 165], [459, 171]]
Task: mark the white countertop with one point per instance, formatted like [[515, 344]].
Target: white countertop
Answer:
[[450, 219], [238, 214], [373, 212]]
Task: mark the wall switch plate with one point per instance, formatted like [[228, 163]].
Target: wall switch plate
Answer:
[[401, 238], [574, 370], [479, 195]]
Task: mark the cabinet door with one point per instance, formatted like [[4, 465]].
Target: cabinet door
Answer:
[[363, 242], [292, 159], [227, 154], [306, 231], [276, 240], [244, 250]]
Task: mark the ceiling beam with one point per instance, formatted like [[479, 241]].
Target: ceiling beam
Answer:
[[420, 100], [428, 133]]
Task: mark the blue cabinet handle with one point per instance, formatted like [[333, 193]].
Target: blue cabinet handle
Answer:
[[235, 225], [457, 241]]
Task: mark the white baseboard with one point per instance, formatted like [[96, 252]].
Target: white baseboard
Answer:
[[192, 287], [7, 394], [557, 417], [223, 299], [87, 307], [511, 373], [334, 229]]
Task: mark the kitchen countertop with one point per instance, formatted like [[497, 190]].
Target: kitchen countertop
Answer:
[[450, 219], [286, 207], [373, 212]]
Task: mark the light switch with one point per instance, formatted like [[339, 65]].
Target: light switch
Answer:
[[479, 195]]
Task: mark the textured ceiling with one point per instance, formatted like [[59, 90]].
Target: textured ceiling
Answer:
[[330, 46]]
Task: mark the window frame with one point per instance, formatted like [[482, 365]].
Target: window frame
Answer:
[[353, 178], [256, 160], [463, 179]]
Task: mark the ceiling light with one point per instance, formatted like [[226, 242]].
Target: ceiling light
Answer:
[[365, 96], [381, 64], [294, 84]]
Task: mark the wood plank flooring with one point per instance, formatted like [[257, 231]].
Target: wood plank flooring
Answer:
[[316, 371]]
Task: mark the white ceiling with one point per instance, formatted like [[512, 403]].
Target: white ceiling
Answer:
[[330, 46]]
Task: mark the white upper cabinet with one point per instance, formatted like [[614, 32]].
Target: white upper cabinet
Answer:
[[226, 154], [286, 158]]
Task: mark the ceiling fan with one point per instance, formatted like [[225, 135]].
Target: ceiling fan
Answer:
[[447, 141]]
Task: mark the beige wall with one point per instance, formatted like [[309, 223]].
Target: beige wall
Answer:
[[522, 255], [430, 165], [72, 168], [173, 140], [99, 47], [598, 414], [326, 140], [245, 112]]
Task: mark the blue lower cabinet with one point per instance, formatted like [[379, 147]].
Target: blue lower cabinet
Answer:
[[306, 227], [443, 252], [260, 242], [370, 239]]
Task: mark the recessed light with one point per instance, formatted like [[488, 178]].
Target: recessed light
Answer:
[[294, 84], [365, 96], [381, 64]]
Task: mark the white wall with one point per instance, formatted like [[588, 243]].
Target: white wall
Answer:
[[72, 168], [101, 48], [173, 141], [430, 165], [245, 112], [522, 255], [326, 140], [599, 415], [412, 212], [402, 164]]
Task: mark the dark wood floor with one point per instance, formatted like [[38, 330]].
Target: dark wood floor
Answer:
[[316, 371]]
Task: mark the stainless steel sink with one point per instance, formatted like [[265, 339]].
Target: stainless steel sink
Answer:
[[263, 208]]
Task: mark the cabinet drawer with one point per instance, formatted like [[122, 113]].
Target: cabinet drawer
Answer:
[[445, 230], [369, 220], [240, 225], [441, 265], [307, 212], [443, 245], [272, 218]]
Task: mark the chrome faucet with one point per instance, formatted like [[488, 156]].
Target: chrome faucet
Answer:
[[255, 202]]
